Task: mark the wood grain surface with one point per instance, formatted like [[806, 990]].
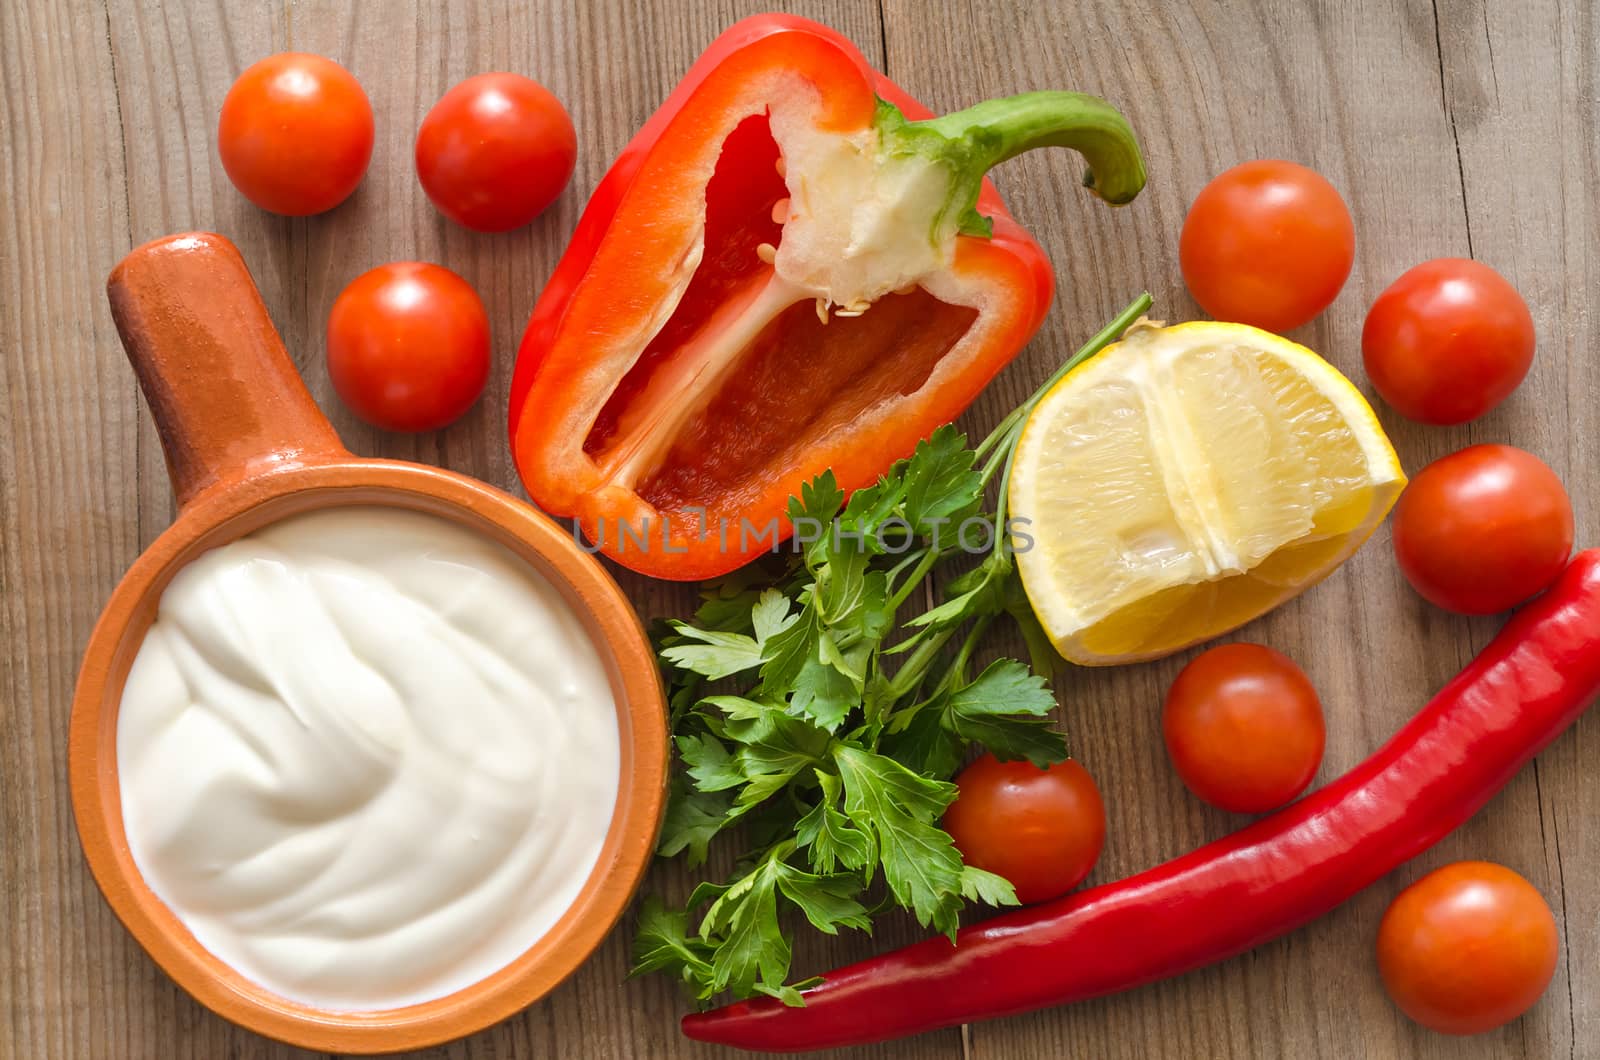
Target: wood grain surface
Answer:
[[1460, 127]]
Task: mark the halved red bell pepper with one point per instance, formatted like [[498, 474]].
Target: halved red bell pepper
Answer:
[[791, 267]]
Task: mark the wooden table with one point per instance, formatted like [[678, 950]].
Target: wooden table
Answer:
[[1453, 128]]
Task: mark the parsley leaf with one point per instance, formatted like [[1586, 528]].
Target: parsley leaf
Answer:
[[828, 834], [978, 885], [725, 609], [979, 592], [769, 762], [789, 995], [663, 943], [785, 653], [1004, 709], [919, 739], [717, 655], [841, 583], [753, 947], [738, 719], [710, 764], [945, 484], [829, 902], [787, 746], [811, 516], [692, 819], [770, 616], [898, 808], [828, 684], [872, 506]]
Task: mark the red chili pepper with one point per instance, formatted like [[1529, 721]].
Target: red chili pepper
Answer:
[[1528, 685], [781, 274]]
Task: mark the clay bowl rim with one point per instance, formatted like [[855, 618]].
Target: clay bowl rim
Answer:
[[226, 512]]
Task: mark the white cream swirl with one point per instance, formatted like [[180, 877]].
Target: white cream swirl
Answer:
[[366, 755]]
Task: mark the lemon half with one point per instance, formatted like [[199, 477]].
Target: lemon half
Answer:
[[1186, 480]]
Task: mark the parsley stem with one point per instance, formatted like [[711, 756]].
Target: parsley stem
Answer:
[[958, 668], [992, 464], [918, 573], [955, 675], [913, 670], [1001, 431]]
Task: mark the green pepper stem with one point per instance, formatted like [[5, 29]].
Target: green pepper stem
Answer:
[[974, 140], [999, 129]]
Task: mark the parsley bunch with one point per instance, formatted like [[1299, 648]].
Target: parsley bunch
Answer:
[[809, 714]]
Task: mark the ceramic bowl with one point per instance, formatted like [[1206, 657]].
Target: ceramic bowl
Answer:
[[245, 446]]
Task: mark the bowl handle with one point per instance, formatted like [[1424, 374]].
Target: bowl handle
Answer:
[[227, 400]]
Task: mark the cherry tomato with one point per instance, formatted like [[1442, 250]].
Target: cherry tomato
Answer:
[[1243, 727], [1267, 243], [1467, 948], [1042, 829], [495, 151], [408, 346], [1483, 529], [295, 133], [1448, 341]]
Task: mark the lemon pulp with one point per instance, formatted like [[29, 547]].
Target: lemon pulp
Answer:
[[1186, 480]]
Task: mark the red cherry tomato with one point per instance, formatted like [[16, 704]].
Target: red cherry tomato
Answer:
[[1483, 529], [1042, 829], [408, 346], [1467, 948], [1267, 243], [295, 133], [495, 151], [1244, 728], [1448, 341]]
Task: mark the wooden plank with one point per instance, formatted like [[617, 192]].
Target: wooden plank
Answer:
[[1466, 126], [143, 158], [1358, 91], [68, 509], [1520, 86]]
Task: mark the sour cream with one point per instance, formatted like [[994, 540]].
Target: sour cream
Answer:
[[367, 756]]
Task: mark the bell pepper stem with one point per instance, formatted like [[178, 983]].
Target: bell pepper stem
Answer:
[[973, 141]]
